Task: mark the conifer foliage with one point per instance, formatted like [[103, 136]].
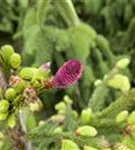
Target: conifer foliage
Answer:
[[69, 82]]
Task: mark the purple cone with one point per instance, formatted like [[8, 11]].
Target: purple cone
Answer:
[[68, 74]]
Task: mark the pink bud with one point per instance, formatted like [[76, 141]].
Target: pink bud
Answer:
[[46, 66], [68, 74]]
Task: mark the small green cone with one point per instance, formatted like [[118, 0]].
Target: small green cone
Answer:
[[41, 123], [3, 116], [122, 116], [11, 121], [60, 106], [97, 82], [40, 74], [67, 100], [75, 114], [35, 106], [86, 130], [58, 130], [120, 146], [15, 60], [7, 51], [4, 105], [16, 99], [89, 148], [120, 82], [125, 84], [69, 145], [116, 81], [123, 63], [27, 73], [59, 118], [131, 118], [86, 115], [10, 94], [20, 86]]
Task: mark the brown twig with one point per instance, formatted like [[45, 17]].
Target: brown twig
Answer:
[[28, 145], [3, 83]]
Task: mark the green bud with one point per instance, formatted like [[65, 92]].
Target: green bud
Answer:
[[3, 116], [41, 123], [86, 130], [58, 130], [69, 145], [120, 82], [35, 106], [58, 118], [67, 99], [15, 60], [60, 106], [62, 111], [10, 94], [86, 115], [122, 116], [75, 114], [89, 148], [131, 118], [4, 105], [40, 74], [97, 82], [7, 51], [27, 73], [38, 84], [11, 121], [116, 81], [125, 84], [120, 146], [123, 63], [20, 86]]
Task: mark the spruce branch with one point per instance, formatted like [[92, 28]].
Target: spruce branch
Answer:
[[42, 9], [96, 102], [125, 102], [67, 11], [103, 66]]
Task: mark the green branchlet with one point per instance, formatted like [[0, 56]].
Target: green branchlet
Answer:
[[21, 90]]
